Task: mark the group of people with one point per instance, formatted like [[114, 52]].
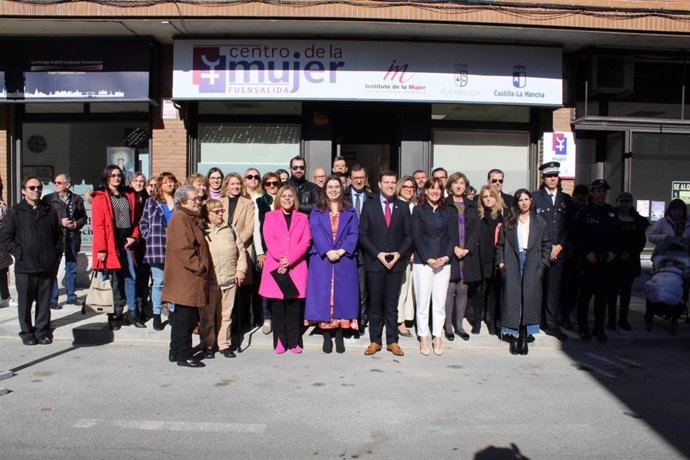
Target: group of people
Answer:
[[291, 253]]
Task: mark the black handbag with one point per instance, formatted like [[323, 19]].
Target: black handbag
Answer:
[[285, 283]]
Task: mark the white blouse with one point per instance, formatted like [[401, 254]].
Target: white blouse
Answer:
[[523, 234]]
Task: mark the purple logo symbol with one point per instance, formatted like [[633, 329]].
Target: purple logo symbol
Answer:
[[559, 144], [209, 70], [519, 76]]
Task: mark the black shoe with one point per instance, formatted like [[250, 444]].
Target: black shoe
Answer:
[[29, 341], [557, 334], [625, 325], [45, 340], [191, 362], [114, 322], [476, 328], [524, 349], [209, 354], [513, 348], [585, 335], [171, 356], [54, 306], [228, 353], [529, 339], [463, 335], [157, 323], [600, 335], [76, 302], [450, 336], [339, 342], [134, 319]]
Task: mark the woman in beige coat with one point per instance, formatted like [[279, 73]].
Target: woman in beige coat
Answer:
[[227, 271]]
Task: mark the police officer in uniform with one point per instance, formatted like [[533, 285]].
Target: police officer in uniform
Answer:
[[598, 236], [556, 208]]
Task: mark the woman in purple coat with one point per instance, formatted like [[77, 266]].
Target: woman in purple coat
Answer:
[[333, 284]]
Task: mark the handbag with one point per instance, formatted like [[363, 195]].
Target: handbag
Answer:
[[285, 283], [99, 299]]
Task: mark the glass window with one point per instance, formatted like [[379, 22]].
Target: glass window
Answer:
[[236, 147], [478, 112], [55, 107], [475, 153]]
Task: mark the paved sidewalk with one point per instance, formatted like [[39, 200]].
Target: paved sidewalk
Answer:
[[71, 326]]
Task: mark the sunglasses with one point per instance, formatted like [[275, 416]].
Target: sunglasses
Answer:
[[493, 181], [252, 177], [116, 175], [271, 184], [296, 167], [33, 188], [218, 211]]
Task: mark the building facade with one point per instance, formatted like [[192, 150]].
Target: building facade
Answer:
[[183, 86]]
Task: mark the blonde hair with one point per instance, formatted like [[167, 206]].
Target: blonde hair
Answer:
[[497, 208], [278, 199], [209, 206], [226, 181]]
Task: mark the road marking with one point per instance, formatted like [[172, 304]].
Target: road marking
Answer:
[[161, 425]]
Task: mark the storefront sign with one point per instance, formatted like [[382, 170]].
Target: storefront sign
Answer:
[[379, 71], [681, 189], [77, 70], [561, 147]]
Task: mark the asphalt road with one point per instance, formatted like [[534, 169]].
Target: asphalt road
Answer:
[[126, 401]]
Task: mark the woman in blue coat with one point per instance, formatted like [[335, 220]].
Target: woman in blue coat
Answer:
[[333, 284]]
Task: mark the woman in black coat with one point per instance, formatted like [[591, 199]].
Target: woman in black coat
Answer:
[[522, 254], [465, 281], [490, 206], [435, 232], [633, 238]]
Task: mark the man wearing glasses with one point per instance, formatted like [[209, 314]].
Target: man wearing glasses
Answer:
[[307, 192], [72, 215], [495, 180], [31, 233]]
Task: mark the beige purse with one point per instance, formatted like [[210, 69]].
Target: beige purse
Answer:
[[99, 299]]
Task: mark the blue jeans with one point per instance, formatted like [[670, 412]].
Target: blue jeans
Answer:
[[124, 282], [157, 273], [70, 273]]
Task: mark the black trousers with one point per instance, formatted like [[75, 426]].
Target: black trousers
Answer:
[[286, 314], [597, 280], [625, 277], [4, 287], [552, 304], [383, 290], [33, 288], [183, 321]]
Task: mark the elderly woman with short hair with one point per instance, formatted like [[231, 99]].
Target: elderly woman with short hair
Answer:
[[185, 283]]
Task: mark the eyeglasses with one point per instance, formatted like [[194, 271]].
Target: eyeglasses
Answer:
[[493, 181], [218, 211], [33, 188], [116, 175], [272, 183], [297, 167], [57, 182], [252, 177], [408, 187]]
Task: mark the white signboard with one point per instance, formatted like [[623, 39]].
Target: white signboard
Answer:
[[373, 71], [561, 147]]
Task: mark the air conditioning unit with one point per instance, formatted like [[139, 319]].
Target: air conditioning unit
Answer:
[[611, 75]]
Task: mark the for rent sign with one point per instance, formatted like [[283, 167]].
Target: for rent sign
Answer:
[[387, 71]]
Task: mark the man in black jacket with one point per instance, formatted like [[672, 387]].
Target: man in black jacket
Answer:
[[72, 217], [307, 192], [31, 233], [557, 210], [357, 194], [385, 235]]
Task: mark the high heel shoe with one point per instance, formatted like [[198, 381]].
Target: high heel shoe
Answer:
[[438, 346], [424, 346]]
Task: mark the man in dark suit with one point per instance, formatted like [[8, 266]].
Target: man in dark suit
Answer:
[[495, 179], [386, 237], [556, 208], [357, 194]]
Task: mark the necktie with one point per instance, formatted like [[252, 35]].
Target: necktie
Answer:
[[358, 204], [387, 214]]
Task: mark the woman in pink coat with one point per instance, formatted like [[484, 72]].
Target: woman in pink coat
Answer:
[[287, 237]]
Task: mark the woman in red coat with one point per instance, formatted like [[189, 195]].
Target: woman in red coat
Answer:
[[115, 223]]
